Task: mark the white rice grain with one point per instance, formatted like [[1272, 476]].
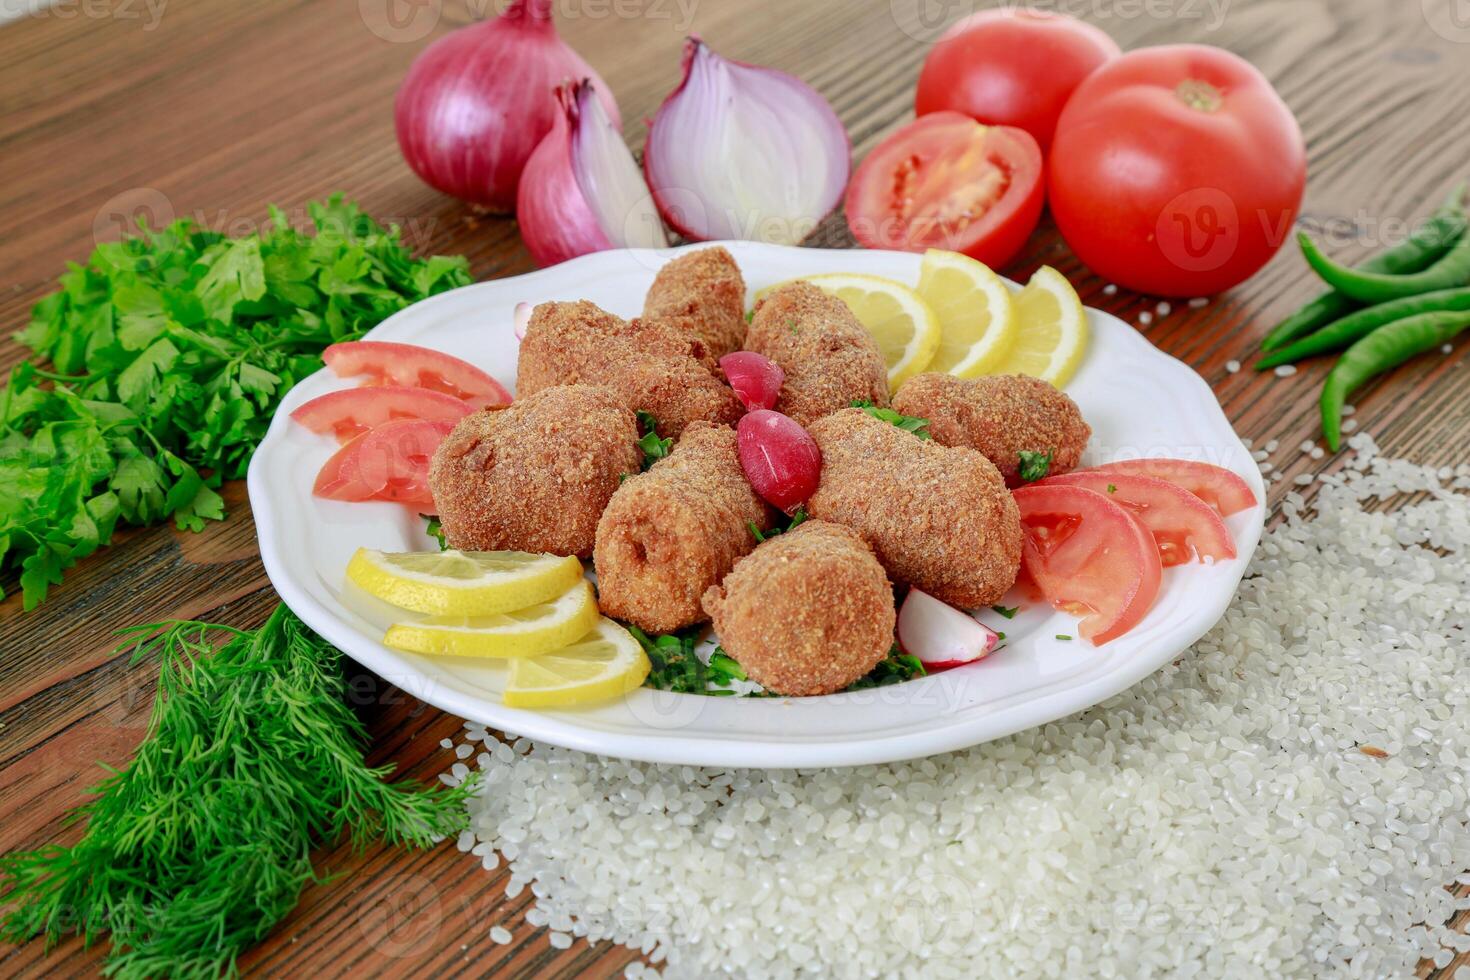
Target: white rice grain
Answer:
[[1220, 818]]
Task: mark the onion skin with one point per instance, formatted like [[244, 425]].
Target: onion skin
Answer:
[[476, 103], [556, 221], [704, 190]]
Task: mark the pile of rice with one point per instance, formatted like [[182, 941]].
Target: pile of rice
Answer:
[[1290, 799]]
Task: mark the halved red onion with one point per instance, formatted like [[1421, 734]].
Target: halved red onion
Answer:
[[738, 151], [940, 635], [581, 190]]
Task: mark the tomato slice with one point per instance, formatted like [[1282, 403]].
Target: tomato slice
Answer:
[[389, 462], [1088, 556], [1182, 524], [411, 366], [351, 412], [1215, 485], [947, 181]]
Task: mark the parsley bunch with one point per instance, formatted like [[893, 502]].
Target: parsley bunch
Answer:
[[196, 849], [169, 353]]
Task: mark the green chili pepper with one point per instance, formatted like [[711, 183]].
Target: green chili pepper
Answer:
[[1341, 333], [1452, 269], [1420, 250], [1385, 348]]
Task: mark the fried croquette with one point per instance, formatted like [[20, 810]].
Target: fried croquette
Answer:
[[537, 475], [701, 294], [669, 534], [938, 518], [808, 612], [830, 361], [652, 366], [1000, 416]]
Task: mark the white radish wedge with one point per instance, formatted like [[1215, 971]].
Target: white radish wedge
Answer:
[[940, 635]]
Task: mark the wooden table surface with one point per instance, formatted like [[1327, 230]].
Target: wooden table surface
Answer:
[[213, 108]]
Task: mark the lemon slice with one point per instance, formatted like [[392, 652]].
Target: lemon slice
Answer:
[[527, 632], [976, 314], [1053, 330], [605, 664], [902, 324], [462, 583]]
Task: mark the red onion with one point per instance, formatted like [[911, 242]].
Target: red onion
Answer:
[[756, 378], [940, 635], [477, 101], [581, 191], [738, 151]]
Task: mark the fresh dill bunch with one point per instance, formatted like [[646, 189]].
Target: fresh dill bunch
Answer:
[[195, 850]]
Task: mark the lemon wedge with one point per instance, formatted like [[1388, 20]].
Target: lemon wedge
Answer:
[[976, 315], [527, 632], [901, 323], [1052, 335], [462, 583], [606, 663]]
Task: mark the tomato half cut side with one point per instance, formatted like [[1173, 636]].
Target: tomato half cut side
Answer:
[[1089, 557], [411, 366], [1215, 485], [390, 462], [1183, 525], [349, 413], [947, 181]]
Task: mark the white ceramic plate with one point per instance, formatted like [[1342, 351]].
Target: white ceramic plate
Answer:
[[1139, 401]]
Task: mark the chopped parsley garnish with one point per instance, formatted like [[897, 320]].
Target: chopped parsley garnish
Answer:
[[908, 423], [896, 668], [1008, 613], [1112, 488], [749, 315], [762, 536], [723, 669], [654, 448], [1034, 466], [1063, 636], [435, 531], [675, 665]]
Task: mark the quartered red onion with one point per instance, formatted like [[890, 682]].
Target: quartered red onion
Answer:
[[940, 635], [581, 190], [739, 151], [477, 101]]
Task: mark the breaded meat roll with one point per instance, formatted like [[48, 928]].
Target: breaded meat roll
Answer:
[[652, 366], [808, 612], [537, 475], [1001, 416], [702, 295], [939, 519], [830, 361], [669, 534]]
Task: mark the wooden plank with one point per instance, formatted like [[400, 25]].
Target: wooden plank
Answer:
[[221, 106]]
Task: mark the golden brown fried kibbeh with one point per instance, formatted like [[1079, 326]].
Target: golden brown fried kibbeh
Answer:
[[808, 612], [652, 366], [939, 519], [669, 534], [702, 294], [829, 360], [534, 476], [999, 415]]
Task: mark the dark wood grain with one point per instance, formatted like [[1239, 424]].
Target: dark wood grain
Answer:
[[221, 106]]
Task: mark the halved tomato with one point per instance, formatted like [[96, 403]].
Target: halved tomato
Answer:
[[411, 366], [947, 181], [389, 462], [351, 412], [1089, 557], [1215, 485], [1182, 524]]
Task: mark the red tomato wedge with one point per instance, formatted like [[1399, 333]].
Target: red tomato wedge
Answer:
[[389, 462], [946, 181], [1089, 557], [350, 413], [1215, 485], [411, 366], [1183, 525]]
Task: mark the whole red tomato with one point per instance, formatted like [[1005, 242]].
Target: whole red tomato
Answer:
[[1176, 170], [1012, 68]]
